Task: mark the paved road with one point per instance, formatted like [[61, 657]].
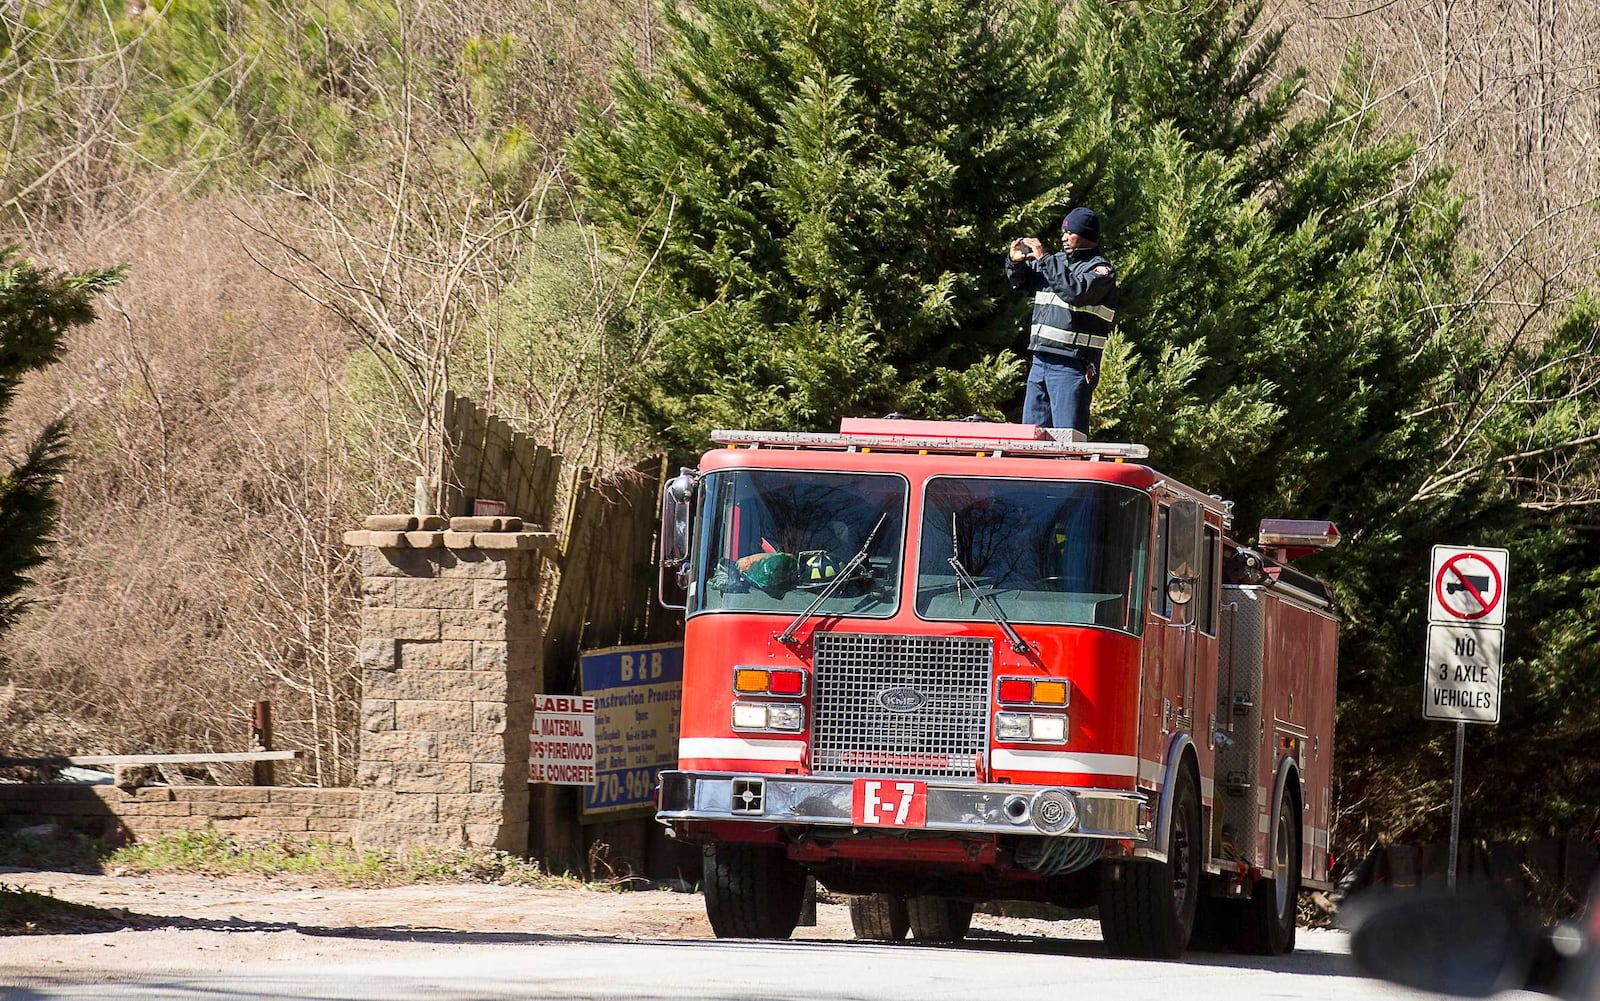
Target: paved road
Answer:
[[447, 966], [236, 939]]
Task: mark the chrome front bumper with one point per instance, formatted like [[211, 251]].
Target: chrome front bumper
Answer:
[[951, 808]]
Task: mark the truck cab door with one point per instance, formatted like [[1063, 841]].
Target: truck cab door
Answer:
[[1180, 645], [1182, 584], [1163, 678]]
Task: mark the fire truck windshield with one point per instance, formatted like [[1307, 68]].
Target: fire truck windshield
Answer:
[[774, 540], [1047, 552]]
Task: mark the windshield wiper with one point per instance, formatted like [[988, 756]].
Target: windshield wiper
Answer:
[[837, 582], [991, 606]]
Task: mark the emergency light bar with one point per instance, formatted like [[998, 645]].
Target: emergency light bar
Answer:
[[1034, 447], [1290, 533]]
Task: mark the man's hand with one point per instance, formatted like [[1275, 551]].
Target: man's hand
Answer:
[[1091, 374], [1019, 249], [1035, 248]]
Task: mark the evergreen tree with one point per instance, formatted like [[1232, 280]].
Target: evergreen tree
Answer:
[[831, 184], [827, 182], [1279, 270], [37, 307]]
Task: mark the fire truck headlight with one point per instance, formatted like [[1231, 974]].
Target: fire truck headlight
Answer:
[[747, 716], [786, 717], [783, 717], [1051, 728], [1037, 728], [1012, 726]]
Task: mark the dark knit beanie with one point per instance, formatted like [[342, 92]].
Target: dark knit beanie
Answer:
[[1083, 222]]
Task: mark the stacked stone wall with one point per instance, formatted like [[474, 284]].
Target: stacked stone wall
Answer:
[[450, 656], [450, 646], [305, 814]]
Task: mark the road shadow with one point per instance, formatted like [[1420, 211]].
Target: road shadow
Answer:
[[980, 941], [81, 919], [1304, 961]]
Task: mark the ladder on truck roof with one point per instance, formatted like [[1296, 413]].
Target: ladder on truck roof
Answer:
[[946, 437]]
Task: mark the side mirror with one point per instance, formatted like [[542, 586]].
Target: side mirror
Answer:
[[1183, 539], [676, 508], [1183, 552]]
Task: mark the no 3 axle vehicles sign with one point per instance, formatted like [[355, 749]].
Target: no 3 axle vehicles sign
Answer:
[[1466, 614]]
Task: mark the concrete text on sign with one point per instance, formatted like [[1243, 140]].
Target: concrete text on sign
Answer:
[[561, 744]]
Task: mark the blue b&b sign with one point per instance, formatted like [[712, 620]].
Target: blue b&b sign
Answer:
[[638, 696]]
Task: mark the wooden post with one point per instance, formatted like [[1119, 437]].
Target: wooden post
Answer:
[[261, 740]]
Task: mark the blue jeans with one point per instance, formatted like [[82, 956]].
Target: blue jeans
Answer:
[[1058, 393]]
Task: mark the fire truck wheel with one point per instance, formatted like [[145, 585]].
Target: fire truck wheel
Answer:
[[939, 919], [752, 891], [880, 917], [1148, 908], [1267, 921]]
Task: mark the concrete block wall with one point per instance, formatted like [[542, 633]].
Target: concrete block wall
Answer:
[[450, 660], [449, 651], [246, 811]]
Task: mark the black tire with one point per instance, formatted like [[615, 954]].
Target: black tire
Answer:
[[752, 892], [939, 919], [1266, 922], [1148, 908], [880, 917]]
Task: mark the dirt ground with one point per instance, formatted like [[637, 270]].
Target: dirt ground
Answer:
[[171, 923], [271, 903]]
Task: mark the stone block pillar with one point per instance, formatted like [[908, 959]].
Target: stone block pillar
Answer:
[[449, 653]]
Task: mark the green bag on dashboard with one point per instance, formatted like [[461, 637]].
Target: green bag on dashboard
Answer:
[[769, 571]]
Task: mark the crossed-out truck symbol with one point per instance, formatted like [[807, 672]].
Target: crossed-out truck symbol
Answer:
[[1480, 584]]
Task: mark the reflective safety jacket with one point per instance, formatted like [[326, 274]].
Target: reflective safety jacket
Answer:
[[1074, 301]]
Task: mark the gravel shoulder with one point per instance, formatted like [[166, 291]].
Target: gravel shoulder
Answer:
[[176, 924]]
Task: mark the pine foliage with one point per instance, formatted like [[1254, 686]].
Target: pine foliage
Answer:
[[827, 183], [37, 307]]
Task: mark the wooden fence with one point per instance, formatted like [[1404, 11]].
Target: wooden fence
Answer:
[[485, 459], [607, 591], [1550, 875], [605, 597]]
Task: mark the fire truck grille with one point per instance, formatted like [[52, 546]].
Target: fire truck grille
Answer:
[[900, 705]]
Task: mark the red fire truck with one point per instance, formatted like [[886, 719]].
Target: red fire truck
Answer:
[[934, 664]]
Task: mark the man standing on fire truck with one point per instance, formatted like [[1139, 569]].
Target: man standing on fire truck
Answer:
[[1074, 307]]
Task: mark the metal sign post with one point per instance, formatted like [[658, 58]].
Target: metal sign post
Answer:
[[1466, 618]]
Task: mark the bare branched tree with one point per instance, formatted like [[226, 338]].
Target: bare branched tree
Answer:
[[1503, 93], [85, 84], [410, 241], [568, 338]]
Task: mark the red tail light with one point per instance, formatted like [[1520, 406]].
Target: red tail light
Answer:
[[1015, 690], [787, 683]]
